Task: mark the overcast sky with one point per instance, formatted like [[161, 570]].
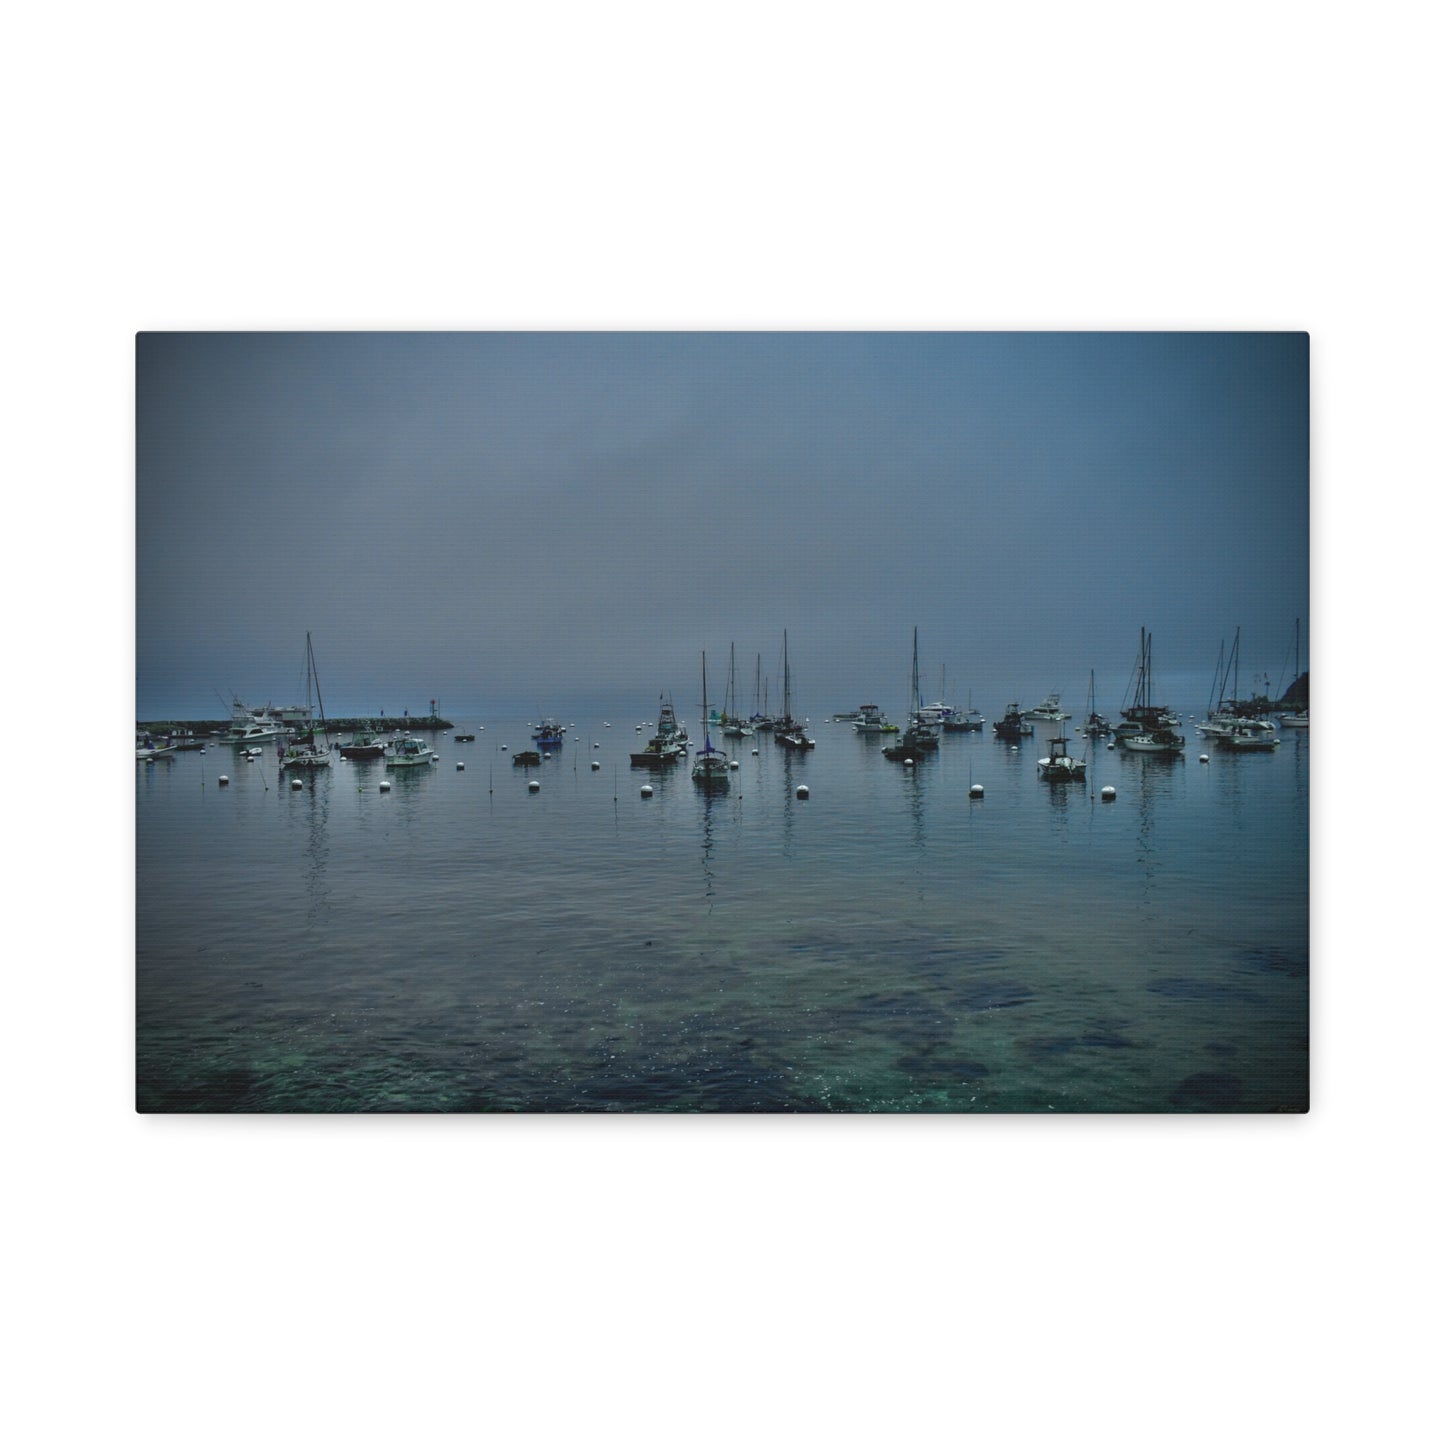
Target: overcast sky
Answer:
[[564, 521]]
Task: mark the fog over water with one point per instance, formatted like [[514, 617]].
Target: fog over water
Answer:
[[565, 521]]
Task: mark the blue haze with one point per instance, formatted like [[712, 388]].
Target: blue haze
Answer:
[[564, 521]]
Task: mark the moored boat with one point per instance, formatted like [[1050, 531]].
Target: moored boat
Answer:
[[312, 749], [364, 744], [710, 767], [1011, 726], [667, 745], [409, 752], [787, 731], [1059, 767], [1049, 710], [1148, 727]]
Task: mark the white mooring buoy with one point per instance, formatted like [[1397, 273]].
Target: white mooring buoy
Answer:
[[733, 764], [755, 752], [1109, 747], [907, 762], [1107, 794], [296, 785], [534, 786], [803, 791], [646, 791], [596, 745], [596, 766], [385, 786], [976, 791], [461, 767], [1203, 757], [223, 780]]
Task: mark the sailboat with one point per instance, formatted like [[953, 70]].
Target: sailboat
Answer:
[[762, 722], [733, 725], [1226, 717], [1147, 727], [1300, 718], [308, 751], [710, 767], [787, 732], [921, 736], [1097, 725]]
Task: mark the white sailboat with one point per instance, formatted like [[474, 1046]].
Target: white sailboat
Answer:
[[710, 767], [309, 750]]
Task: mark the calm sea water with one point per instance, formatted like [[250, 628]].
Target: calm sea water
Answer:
[[461, 944]]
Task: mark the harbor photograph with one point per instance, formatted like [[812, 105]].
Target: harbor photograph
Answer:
[[722, 722]]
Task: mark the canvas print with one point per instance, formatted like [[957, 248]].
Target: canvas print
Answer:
[[728, 722]]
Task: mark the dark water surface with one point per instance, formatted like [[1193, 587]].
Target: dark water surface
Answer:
[[461, 944]]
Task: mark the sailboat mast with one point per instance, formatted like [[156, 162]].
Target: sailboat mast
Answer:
[[311, 674], [787, 683]]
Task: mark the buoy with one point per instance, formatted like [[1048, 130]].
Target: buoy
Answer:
[[533, 786], [461, 767], [976, 791], [755, 752], [646, 791], [1203, 757], [1107, 794], [295, 785], [803, 791], [596, 745], [1109, 748], [385, 785], [907, 762], [732, 763], [223, 780], [596, 766], [1013, 747]]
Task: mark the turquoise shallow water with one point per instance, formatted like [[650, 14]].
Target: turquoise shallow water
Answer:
[[460, 944]]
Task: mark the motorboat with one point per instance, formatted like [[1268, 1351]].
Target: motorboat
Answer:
[[870, 719], [1059, 767], [1011, 726], [1049, 710], [365, 744], [409, 752], [667, 745]]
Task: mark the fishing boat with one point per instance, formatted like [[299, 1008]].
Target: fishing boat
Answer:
[[787, 731], [921, 736], [1147, 726], [1098, 726], [527, 758], [710, 767], [1049, 710], [548, 733], [1059, 767], [311, 749], [409, 752], [1012, 725], [364, 744], [668, 744]]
